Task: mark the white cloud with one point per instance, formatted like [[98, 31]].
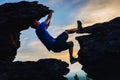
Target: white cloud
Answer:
[[99, 11], [53, 2], [32, 51], [35, 50]]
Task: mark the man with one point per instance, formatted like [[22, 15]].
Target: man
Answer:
[[55, 44]]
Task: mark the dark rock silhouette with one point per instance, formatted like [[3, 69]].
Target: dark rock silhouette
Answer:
[[15, 17], [44, 69], [100, 51]]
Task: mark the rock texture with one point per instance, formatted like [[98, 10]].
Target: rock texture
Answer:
[[44, 69], [100, 51], [15, 17]]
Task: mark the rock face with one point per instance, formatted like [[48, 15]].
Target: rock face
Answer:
[[100, 51], [15, 17], [44, 69]]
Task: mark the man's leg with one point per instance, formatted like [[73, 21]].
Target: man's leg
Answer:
[[72, 59], [70, 31], [62, 45], [73, 30]]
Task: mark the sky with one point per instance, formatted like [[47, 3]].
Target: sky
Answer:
[[66, 14]]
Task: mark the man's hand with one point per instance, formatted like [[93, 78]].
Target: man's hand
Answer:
[[51, 11], [36, 23]]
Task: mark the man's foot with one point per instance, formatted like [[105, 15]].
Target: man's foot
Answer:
[[79, 27], [73, 60]]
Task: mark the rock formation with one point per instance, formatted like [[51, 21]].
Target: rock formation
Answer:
[[15, 17], [44, 69], [100, 50]]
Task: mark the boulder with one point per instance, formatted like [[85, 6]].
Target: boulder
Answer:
[[44, 69], [100, 50]]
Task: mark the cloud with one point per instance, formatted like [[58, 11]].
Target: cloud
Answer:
[[33, 50], [53, 2], [99, 11], [36, 50], [65, 4]]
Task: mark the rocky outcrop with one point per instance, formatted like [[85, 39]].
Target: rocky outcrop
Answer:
[[19, 16], [100, 50], [15, 17], [44, 69]]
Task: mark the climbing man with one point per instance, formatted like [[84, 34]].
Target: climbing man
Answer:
[[54, 44]]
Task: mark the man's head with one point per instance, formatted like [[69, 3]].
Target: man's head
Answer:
[[36, 23]]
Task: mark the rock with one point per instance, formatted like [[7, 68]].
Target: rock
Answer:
[[20, 16], [15, 17], [100, 50], [44, 69]]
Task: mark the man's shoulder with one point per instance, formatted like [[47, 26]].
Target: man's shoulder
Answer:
[[43, 24]]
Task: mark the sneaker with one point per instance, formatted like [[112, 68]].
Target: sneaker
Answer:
[[73, 60], [79, 23], [80, 29]]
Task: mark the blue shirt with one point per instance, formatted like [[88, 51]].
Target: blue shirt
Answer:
[[44, 36]]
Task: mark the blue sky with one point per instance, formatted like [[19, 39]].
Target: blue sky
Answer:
[[67, 12]]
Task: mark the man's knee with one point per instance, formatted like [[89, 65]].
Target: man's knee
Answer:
[[66, 31]]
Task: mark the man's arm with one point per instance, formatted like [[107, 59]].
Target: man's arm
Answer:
[[37, 23], [48, 20]]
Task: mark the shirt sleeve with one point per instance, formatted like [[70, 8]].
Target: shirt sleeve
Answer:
[[41, 27]]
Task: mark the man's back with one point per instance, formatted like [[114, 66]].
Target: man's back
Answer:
[[44, 36]]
